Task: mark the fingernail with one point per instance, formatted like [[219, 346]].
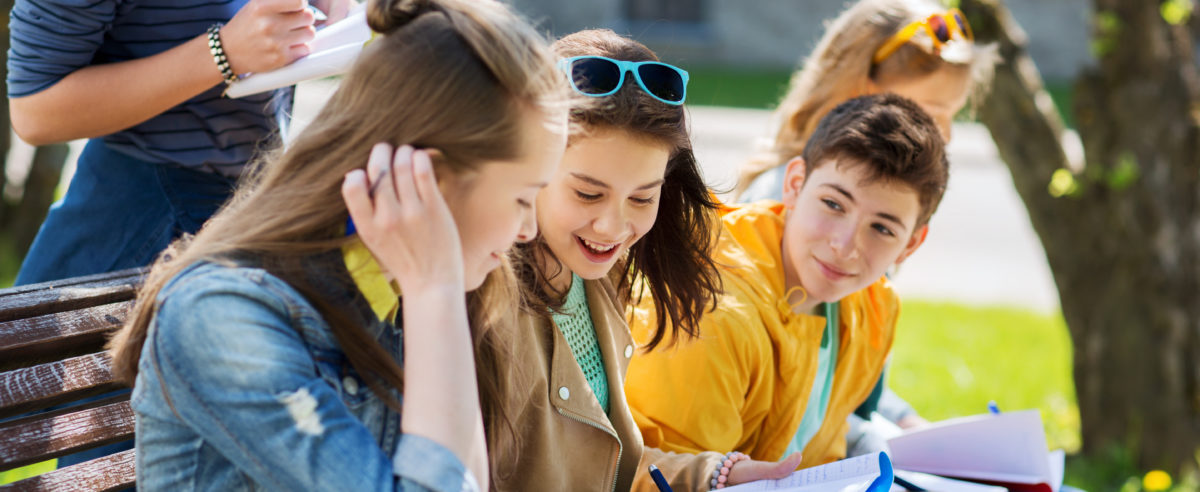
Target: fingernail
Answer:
[[404, 155]]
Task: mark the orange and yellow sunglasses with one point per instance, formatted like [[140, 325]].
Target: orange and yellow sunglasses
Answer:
[[940, 28]]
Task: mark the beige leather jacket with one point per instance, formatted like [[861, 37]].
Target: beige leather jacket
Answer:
[[566, 442]]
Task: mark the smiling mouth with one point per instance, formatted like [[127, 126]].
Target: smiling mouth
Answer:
[[597, 252], [831, 272]]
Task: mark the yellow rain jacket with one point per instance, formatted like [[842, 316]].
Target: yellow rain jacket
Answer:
[[744, 384]]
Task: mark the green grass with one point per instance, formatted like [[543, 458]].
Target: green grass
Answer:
[[10, 263], [27, 471], [741, 88], [949, 360]]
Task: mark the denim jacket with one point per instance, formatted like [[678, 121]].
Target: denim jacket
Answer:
[[242, 386]]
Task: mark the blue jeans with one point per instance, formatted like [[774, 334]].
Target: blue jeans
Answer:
[[120, 212]]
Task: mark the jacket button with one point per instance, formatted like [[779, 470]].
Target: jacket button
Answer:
[[564, 393], [350, 384], [628, 351]]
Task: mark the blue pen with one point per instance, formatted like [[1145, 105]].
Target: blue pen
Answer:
[[992, 408], [661, 482]]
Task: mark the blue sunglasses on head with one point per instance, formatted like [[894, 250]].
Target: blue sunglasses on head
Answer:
[[598, 76]]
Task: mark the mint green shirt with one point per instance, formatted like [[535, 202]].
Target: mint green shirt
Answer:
[[818, 399], [575, 323]]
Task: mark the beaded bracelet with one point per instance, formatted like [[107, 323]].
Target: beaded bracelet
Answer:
[[218, 54], [721, 475]]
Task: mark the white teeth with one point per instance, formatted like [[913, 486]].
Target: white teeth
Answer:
[[597, 247]]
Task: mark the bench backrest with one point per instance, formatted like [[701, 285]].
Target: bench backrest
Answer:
[[52, 339]]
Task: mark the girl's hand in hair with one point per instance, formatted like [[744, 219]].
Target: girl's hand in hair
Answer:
[[751, 470], [401, 217], [268, 34]]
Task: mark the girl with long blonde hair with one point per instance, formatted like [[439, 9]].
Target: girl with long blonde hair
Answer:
[[317, 334], [918, 49]]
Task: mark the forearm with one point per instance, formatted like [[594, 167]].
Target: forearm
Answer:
[[441, 399], [102, 99]]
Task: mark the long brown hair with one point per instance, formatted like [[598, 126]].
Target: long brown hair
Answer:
[[841, 68], [455, 75], [673, 260]]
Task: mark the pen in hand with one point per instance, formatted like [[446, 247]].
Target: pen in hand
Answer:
[[659, 480]]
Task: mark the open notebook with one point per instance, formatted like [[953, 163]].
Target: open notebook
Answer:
[[334, 51], [1007, 449], [866, 473]]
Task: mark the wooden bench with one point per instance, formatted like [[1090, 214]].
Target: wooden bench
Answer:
[[52, 355]]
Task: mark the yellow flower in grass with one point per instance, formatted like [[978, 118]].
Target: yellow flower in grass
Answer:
[[1156, 480]]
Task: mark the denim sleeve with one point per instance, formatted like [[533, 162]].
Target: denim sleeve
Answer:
[[238, 374], [52, 38]]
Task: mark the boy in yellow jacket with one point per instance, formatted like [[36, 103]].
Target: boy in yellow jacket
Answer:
[[801, 333]]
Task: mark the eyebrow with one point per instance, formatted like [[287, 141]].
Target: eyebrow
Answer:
[[883, 215], [593, 181]]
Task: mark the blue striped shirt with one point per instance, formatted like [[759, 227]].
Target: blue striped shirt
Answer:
[[52, 38]]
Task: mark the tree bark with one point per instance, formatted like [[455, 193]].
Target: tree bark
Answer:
[[1123, 240], [19, 222], [5, 123]]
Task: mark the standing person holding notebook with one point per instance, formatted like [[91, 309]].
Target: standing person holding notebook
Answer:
[[144, 81], [140, 81]]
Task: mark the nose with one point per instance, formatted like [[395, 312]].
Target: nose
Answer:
[[844, 242], [611, 223], [528, 229]]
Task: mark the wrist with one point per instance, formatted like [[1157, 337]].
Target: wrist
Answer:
[[720, 477], [217, 49]]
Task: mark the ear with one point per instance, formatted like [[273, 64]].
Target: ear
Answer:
[[793, 180], [914, 242]]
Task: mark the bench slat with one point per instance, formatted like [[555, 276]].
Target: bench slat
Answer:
[[24, 342], [55, 383], [38, 438], [112, 472], [69, 294]]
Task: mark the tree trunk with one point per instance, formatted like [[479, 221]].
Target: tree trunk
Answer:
[[1121, 230], [19, 222], [44, 174], [5, 126]]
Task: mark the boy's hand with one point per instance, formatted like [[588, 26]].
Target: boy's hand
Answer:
[[752, 470], [268, 34], [403, 220]]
